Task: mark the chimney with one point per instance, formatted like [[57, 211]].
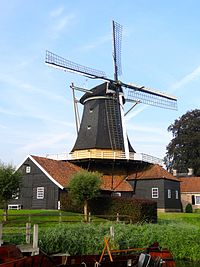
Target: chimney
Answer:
[[174, 172], [190, 171]]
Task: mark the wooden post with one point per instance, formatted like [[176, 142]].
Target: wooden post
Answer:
[[89, 217], [112, 233], [35, 236], [1, 234], [117, 217], [28, 233]]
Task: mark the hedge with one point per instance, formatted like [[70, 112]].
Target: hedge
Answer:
[[134, 210]]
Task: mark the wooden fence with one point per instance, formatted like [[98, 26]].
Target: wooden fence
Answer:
[[28, 247], [62, 217]]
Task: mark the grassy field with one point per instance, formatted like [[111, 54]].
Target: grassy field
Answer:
[[41, 217], [187, 218], [180, 232]]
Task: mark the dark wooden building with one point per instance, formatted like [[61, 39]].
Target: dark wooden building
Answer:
[[154, 182], [44, 179]]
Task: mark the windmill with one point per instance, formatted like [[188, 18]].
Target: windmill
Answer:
[[102, 132]]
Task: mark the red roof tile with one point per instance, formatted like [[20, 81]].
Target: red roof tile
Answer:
[[115, 183], [62, 171], [190, 184], [153, 171]]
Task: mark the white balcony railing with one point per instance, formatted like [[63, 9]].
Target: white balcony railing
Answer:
[[100, 154]]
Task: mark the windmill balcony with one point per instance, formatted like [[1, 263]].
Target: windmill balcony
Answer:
[[100, 154], [105, 154]]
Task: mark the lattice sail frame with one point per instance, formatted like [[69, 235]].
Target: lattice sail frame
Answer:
[[67, 65], [134, 93], [117, 47]]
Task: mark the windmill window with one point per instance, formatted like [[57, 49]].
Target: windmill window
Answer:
[[91, 110], [89, 127], [40, 192], [154, 192]]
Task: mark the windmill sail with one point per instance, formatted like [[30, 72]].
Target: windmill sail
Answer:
[[149, 96], [117, 43], [67, 65]]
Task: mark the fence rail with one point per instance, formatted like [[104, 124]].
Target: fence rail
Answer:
[[60, 217]]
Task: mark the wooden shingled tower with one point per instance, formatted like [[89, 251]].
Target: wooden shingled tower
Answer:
[[102, 132], [101, 128]]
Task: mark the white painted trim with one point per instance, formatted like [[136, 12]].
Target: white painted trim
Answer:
[[153, 193], [45, 172], [126, 148], [96, 97], [18, 166]]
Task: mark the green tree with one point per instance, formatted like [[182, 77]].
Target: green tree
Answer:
[[9, 185], [183, 151], [83, 187]]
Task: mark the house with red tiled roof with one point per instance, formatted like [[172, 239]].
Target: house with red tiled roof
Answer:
[[154, 182], [44, 179], [190, 191]]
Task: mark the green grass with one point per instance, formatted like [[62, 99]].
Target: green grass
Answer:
[[187, 218], [180, 232], [41, 217]]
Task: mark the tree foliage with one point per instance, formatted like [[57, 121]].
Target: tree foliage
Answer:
[[9, 183], [183, 151], [85, 186]]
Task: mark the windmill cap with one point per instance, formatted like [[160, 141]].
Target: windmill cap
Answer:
[[103, 89]]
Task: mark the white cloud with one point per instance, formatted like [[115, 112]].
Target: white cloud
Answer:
[[47, 144], [61, 23], [2, 126], [134, 113], [98, 42], [57, 12], [195, 74]]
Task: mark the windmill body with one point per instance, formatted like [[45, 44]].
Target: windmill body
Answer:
[[101, 131]]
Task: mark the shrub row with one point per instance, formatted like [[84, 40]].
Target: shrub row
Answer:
[[135, 210]]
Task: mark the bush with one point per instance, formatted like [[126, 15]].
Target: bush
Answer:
[[134, 210], [188, 208]]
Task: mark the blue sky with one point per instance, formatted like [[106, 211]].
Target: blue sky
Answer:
[[160, 49]]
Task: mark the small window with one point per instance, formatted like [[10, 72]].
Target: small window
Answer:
[[116, 194], [16, 194], [89, 127], [154, 193], [197, 200], [169, 193], [91, 110], [28, 169], [40, 192], [176, 194]]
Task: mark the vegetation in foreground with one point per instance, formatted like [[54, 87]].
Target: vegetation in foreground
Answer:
[[180, 232], [183, 240]]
